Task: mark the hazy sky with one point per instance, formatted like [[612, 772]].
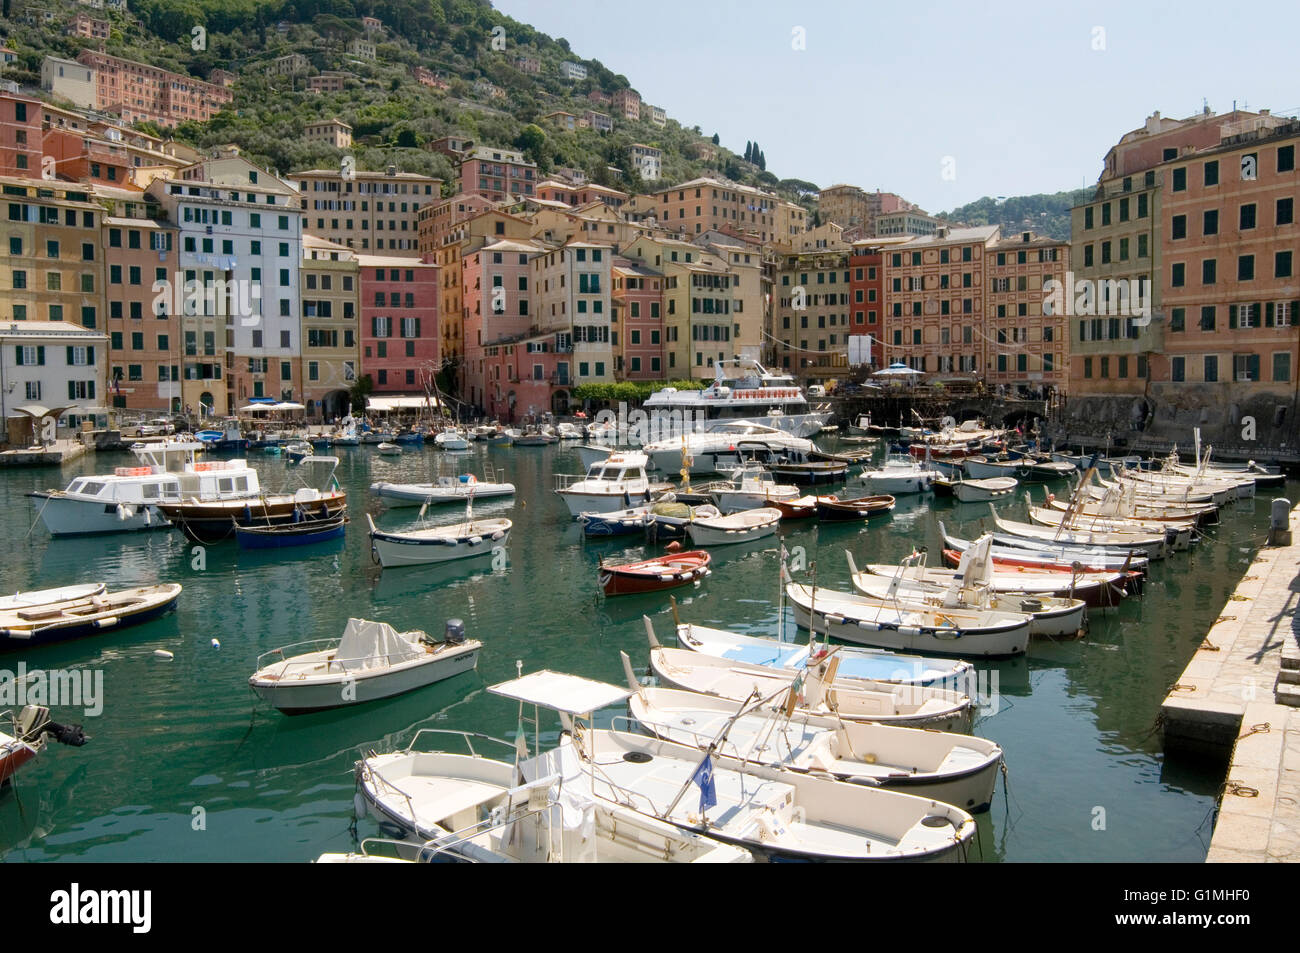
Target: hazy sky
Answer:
[[940, 102]]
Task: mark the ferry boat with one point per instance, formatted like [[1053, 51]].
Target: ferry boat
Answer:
[[743, 391], [130, 498]]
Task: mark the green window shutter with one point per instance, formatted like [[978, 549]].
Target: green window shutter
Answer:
[[72, 390], [1232, 316], [69, 355], [19, 355], [90, 355], [90, 390], [40, 355], [1268, 315]]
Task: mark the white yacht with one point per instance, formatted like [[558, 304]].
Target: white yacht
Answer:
[[128, 498], [615, 483], [743, 390], [723, 446]]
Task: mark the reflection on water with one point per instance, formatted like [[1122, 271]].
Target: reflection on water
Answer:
[[1075, 718]]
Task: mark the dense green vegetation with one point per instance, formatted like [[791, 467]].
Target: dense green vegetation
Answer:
[[632, 390], [1046, 214]]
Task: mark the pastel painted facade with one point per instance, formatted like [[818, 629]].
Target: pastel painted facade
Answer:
[[369, 212], [497, 306], [399, 323], [330, 326]]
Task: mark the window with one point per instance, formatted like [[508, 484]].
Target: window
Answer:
[[1177, 275], [1282, 264], [1210, 222], [1209, 271], [1178, 227], [1207, 318], [1247, 216], [1178, 369], [1285, 163], [1211, 172], [1211, 375], [1178, 319], [1285, 211], [1245, 267], [1180, 176], [1281, 365]]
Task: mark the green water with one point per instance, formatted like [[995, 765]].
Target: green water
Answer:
[[1075, 719]]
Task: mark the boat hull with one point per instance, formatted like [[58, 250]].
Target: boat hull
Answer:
[[70, 517], [393, 550], [22, 636], [889, 485], [655, 575], [292, 534], [415, 494], [215, 522]]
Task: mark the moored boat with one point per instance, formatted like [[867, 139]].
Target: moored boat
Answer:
[[899, 474], [281, 535], [741, 527], [55, 621], [654, 575], [833, 509], [446, 489], [436, 544]]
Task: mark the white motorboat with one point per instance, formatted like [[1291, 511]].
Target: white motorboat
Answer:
[[741, 527], [971, 587], [907, 627], [128, 498], [451, 440], [899, 474], [957, 769], [346, 437], [474, 808], [590, 455], [438, 544], [752, 486], [773, 812], [446, 489], [860, 663], [372, 660], [743, 391], [987, 468], [389, 449], [1151, 545], [617, 482], [723, 446], [568, 431], [914, 706]]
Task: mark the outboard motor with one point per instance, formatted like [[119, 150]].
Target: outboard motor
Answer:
[[455, 632]]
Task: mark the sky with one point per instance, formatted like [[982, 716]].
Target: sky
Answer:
[[942, 102]]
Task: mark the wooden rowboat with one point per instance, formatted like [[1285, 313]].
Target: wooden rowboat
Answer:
[[652, 575], [833, 509]]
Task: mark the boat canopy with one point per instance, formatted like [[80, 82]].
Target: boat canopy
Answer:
[[386, 405], [557, 691], [367, 645]]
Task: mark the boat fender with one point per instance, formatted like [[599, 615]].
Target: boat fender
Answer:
[[216, 643], [374, 555], [163, 654], [475, 540], [498, 534]]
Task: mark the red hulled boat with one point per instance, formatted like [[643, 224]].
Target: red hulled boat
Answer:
[[652, 575]]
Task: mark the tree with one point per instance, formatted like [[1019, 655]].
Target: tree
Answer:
[[716, 140], [749, 149], [761, 161], [359, 390], [532, 141]]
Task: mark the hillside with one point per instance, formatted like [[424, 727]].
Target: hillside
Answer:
[[1046, 214], [464, 42]]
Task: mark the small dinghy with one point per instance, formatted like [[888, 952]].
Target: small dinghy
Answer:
[[899, 474], [668, 518], [653, 575], [618, 523], [279, 535], [983, 491], [832, 509], [811, 473], [447, 489], [55, 621], [41, 597], [451, 440], [437, 544], [803, 508], [391, 449], [739, 527], [372, 660], [297, 451], [957, 769]]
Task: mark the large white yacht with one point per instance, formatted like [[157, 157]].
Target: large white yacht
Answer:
[[725, 445], [743, 391], [127, 499]]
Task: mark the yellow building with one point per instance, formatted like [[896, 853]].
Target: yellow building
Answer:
[[331, 307], [369, 212]]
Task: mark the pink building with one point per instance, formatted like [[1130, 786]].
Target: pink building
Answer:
[[627, 102], [496, 308], [20, 136], [138, 91], [399, 322], [522, 377], [637, 319], [497, 174]]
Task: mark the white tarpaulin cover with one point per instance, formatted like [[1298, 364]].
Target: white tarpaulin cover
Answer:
[[385, 404], [367, 645]]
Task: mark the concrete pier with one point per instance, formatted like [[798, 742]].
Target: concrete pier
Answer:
[[1237, 700], [59, 452]]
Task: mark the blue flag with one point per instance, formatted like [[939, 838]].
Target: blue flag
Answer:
[[703, 776]]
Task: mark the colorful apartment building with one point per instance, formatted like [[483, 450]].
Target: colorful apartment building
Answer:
[[329, 81], [590, 119], [575, 196], [497, 306], [400, 346], [437, 222], [71, 81], [366, 211], [706, 204], [1028, 341], [936, 318], [140, 92], [571, 287], [332, 132], [21, 133], [497, 174], [627, 103], [811, 313], [637, 321], [330, 331], [51, 364], [566, 121]]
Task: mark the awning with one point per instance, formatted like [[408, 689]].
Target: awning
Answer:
[[561, 692], [386, 404]]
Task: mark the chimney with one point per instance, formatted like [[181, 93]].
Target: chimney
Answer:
[[392, 170]]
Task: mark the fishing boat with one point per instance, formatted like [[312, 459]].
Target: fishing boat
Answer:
[[898, 475], [568, 431], [750, 487], [980, 467], [451, 440], [1178, 533], [742, 527], [832, 509], [653, 575], [610, 484], [281, 535], [227, 439], [370, 438], [778, 814], [410, 438], [389, 449], [211, 521], [22, 628], [27, 735], [618, 523], [1151, 545], [371, 660], [590, 455], [889, 624], [437, 544], [446, 489], [957, 769], [133, 498], [469, 807], [812, 472], [971, 587], [803, 508], [297, 450], [857, 664], [912, 706], [668, 518], [1042, 471]]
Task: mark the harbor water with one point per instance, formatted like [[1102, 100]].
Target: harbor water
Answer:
[[184, 763]]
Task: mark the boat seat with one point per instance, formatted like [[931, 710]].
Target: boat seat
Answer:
[[961, 758], [932, 706], [306, 494]]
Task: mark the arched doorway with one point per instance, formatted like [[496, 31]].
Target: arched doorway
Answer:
[[560, 403], [336, 403], [207, 404]]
